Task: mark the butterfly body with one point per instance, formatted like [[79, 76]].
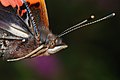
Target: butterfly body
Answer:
[[24, 30]]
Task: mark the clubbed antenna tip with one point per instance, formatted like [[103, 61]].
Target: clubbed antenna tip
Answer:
[[92, 16]]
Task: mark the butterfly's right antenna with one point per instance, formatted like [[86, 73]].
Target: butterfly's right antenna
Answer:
[[83, 24]]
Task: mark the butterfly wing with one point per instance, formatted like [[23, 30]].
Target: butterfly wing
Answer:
[[39, 11], [15, 26], [11, 21]]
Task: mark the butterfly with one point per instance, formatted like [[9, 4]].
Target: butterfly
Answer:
[[24, 30]]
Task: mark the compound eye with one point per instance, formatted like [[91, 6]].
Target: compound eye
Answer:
[[52, 44]]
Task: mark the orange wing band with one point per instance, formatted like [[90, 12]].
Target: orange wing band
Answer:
[[43, 12]]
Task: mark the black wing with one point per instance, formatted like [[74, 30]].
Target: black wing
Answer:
[[13, 24]]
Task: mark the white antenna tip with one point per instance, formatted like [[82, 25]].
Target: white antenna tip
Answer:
[[92, 16], [113, 14]]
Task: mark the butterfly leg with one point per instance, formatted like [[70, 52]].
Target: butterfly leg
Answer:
[[28, 55], [39, 53]]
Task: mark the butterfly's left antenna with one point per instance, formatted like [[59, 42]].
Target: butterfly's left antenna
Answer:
[[31, 17], [83, 24]]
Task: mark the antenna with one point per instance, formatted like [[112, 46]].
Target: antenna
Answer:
[[83, 24]]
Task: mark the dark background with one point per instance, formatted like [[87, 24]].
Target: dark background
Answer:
[[93, 52]]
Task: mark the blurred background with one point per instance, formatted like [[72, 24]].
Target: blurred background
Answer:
[[93, 52]]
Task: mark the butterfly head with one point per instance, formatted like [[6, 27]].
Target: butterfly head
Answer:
[[54, 44]]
